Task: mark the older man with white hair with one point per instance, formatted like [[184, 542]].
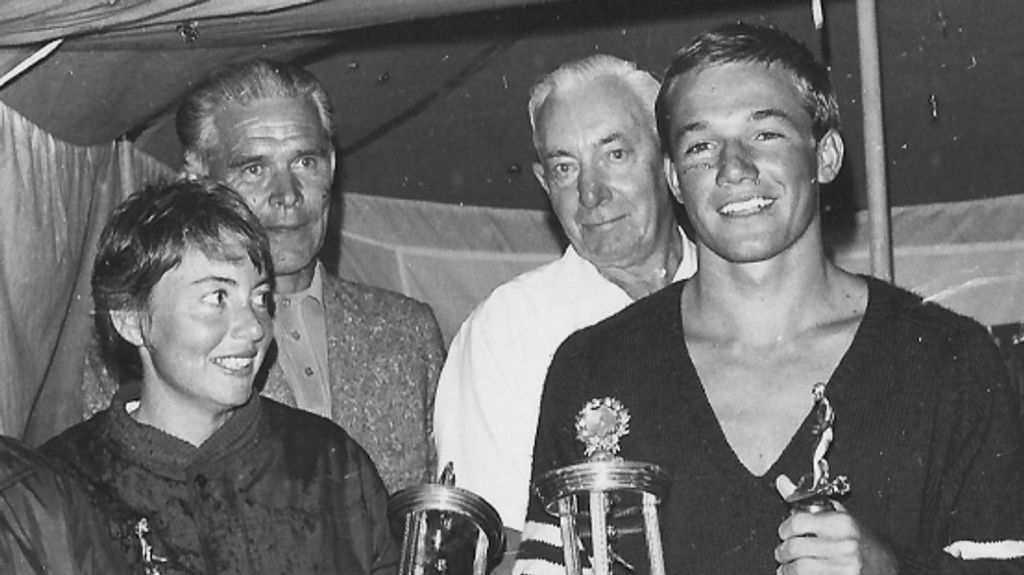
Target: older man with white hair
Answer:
[[600, 163]]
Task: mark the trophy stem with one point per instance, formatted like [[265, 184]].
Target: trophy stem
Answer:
[[480, 558], [599, 531], [653, 532], [566, 519], [412, 548]]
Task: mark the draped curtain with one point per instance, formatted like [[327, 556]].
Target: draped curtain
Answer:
[[56, 197]]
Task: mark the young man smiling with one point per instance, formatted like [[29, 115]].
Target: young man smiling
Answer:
[[718, 371]]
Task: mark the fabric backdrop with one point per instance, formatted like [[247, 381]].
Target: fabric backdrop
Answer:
[[56, 198], [966, 255]]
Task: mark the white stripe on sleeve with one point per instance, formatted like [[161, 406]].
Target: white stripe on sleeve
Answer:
[[969, 550]]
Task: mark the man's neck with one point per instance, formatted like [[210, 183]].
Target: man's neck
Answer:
[[651, 274], [295, 282], [765, 302]]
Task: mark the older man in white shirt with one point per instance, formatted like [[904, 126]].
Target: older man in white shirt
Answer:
[[600, 162]]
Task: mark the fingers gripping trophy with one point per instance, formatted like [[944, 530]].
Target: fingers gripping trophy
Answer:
[[815, 491], [600, 425]]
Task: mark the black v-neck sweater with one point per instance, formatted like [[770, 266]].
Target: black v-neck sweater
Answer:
[[927, 431]]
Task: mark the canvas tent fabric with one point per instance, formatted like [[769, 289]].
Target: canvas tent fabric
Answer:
[[436, 198], [57, 197], [968, 256]]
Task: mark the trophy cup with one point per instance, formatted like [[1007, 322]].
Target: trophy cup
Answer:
[[599, 426], [814, 491], [445, 530]]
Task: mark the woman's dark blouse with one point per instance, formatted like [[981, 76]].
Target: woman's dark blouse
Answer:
[[274, 491]]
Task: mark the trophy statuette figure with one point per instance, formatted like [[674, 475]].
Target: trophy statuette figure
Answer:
[[815, 490]]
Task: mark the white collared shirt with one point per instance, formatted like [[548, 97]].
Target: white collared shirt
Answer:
[[300, 329], [488, 396]]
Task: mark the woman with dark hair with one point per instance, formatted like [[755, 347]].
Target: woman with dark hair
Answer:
[[200, 474]]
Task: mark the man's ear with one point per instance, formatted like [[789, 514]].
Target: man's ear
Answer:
[[830, 156], [672, 177], [195, 166], [538, 172], [128, 324]]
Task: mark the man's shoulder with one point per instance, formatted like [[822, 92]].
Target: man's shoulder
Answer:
[[636, 327], [354, 298], [904, 307], [542, 290], [362, 312]]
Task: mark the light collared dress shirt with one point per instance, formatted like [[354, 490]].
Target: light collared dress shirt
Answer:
[[488, 396], [301, 334]]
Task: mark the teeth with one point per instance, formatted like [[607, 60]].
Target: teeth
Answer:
[[750, 205], [234, 362]]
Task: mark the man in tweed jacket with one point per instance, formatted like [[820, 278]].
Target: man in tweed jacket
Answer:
[[365, 357]]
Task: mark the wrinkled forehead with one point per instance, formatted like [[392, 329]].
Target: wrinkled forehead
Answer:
[[273, 117], [591, 112]]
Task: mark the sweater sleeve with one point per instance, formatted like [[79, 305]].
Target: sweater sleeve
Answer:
[[977, 496], [541, 551]]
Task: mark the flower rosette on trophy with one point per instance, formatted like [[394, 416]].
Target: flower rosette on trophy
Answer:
[[598, 481], [815, 491], [445, 530]]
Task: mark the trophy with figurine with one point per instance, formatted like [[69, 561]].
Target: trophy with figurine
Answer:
[[598, 482], [815, 491], [445, 530]]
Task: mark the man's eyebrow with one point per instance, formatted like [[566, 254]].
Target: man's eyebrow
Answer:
[[556, 153], [214, 279], [695, 126], [317, 151], [245, 160], [773, 113], [610, 138]]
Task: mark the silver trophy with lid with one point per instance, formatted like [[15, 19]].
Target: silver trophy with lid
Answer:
[[445, 530], [599, 481], [815, 491]]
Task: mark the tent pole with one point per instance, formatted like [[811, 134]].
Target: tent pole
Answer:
[[874, 141], [32, 60], [124, 161]]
